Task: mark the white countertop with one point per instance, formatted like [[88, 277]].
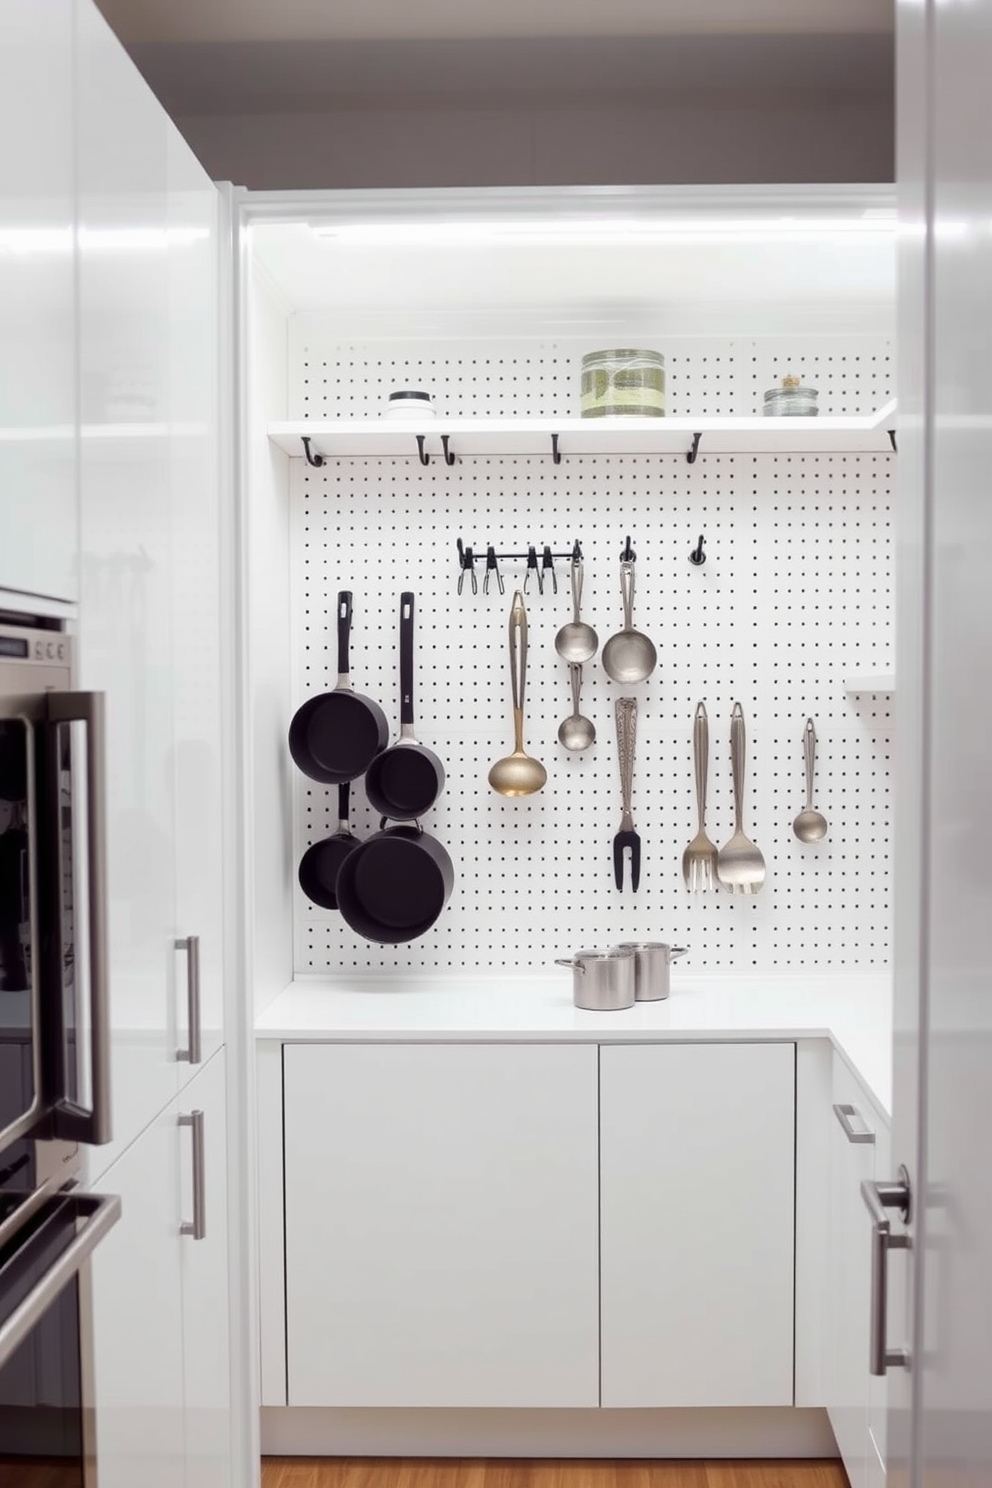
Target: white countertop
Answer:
[[852, 1009]]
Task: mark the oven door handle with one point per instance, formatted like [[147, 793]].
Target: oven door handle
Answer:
[[73, 1123], [103, 1212]]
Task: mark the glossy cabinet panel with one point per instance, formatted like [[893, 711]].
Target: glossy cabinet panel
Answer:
[[697, 1162], [137, 1304], [194, 505], [38, 511], [206, 1333], [441, 1225]]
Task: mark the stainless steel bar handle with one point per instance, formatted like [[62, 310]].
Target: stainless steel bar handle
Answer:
[[738, 760], [879, 1197], [197, 1228], [191, 945], [105, 1212], [89, 708], [844, 1113]]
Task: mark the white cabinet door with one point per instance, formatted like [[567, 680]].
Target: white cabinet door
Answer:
[[697, 1154], [441, 1225], [206, 1333], [125, 633], [852, 1160], [138, 1318], [39, 523], [194, 501]]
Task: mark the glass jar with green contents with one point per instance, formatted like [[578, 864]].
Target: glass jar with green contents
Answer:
[[624, 383]]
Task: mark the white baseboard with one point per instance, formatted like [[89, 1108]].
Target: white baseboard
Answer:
[[299, 1432]]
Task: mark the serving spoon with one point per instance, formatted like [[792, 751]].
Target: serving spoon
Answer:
[[518, 774], [576, 732], [576, 641], [810, 825]]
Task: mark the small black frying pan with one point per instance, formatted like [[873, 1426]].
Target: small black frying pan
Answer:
[[335, 736], [394, 885], [405, 780], [321, 863]]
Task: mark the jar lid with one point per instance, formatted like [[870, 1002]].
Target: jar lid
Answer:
[[791, 388], [408, 393], [625, 354]]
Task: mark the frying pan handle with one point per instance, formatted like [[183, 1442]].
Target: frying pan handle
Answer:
[[344, 805], [344, 632], [406, 660]]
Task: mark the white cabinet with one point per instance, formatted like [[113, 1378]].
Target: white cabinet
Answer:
[[162, 1365], [859, 1144], [151, 594], [697, 1155], [38, 511], [441, 1225]]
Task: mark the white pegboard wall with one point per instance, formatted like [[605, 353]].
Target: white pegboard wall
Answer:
[[795, 595]]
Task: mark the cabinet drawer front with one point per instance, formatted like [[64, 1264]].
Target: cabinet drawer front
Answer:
[[441, 1225], [698, 1224]]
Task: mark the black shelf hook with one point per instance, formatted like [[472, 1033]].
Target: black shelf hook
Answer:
[[693, 453], [425, 458], [449, 455], [697, 556], [315, 460]]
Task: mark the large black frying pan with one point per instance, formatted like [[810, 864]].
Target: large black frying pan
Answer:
[[405, 780], [321, 863], [395, 884], [335, 736]]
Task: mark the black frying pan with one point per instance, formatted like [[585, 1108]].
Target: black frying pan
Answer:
[[335, 736], [405, 780], [394, 885], [321, 863]]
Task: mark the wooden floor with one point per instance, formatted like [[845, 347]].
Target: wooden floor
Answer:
[[453, 1472]]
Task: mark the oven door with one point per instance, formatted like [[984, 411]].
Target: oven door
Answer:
[[54, 1027], [45, 1363]]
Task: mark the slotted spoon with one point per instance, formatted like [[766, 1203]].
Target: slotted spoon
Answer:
[[699, 858], [739, 864]]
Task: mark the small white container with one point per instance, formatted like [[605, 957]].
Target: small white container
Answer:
[[409, 403]]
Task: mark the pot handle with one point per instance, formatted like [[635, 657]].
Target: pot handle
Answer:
[[573, 965], [674, 952]]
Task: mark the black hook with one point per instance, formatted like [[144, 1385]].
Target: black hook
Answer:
[[467, 560], [315, 460], [492, 567], [691, 454], [555, 451], [892, 441], [449, 455], [532, 568], [548, 566], [697, 556], [576, 552], [425, 458], [628, 555]]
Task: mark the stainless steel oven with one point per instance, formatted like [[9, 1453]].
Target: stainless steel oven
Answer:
[[54, 1052]]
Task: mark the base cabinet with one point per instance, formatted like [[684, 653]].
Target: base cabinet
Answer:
[[441, 1225], [161, 1353], [856, 1402], [698, 1202]]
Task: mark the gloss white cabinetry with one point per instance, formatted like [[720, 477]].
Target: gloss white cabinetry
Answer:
[[441, 1225], [160, 1299], [858, 1152], [150, 600], [697, 1180], [38, 510]]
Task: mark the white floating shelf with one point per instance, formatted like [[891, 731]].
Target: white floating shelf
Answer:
[[876, 682], [371, 438]]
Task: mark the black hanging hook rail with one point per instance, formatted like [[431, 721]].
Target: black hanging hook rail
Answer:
[[541, 566]]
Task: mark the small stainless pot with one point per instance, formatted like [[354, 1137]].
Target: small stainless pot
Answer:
[[602, 981], [652, 968]]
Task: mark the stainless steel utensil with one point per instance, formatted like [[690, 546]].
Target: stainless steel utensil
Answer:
[[576, 732], [602, 981], [652, 968], [739, 864], [626, 716], [517, 774], [699, 858], [629, 656], [810, 825], [576, 641]]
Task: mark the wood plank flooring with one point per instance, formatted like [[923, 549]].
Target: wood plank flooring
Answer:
[[453, 1472]]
